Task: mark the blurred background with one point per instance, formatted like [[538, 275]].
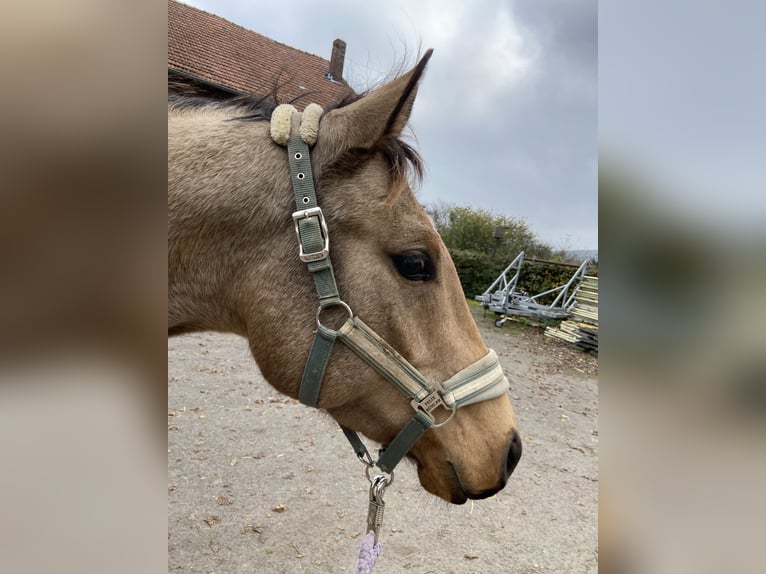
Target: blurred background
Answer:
[[82, 287], [682, 210], [682, 269]]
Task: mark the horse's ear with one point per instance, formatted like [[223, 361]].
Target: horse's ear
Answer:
[[381, 113]]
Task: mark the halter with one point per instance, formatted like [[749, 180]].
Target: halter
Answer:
[[481, 381]]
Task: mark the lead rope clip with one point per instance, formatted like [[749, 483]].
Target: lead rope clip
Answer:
[[370, 550], [377, 505]]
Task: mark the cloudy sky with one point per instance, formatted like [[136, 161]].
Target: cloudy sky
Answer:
[[681, 96], [506, 117]]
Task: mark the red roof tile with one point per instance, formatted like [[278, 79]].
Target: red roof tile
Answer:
[[219, 51]]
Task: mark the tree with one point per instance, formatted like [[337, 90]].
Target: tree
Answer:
[[482, 243], [480, 230]]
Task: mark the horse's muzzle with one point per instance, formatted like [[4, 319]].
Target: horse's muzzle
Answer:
[[510, 461]]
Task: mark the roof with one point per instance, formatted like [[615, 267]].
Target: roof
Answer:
[[221, 52]]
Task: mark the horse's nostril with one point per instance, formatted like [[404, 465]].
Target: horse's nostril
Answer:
[[514, 453]]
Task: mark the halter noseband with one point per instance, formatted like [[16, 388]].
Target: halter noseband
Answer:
[[480, 381]]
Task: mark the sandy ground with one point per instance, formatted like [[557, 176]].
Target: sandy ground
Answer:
[[260, 483]]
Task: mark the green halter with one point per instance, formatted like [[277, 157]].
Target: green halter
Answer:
[[480, 381]]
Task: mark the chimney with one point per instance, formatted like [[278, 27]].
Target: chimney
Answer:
[[336, 60]]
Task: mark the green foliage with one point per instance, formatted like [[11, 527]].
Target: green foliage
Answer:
[[483, 243], [476, 270], [483, 231], [538, 277]]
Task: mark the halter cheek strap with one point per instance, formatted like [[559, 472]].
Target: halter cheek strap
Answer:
[[480, 381]]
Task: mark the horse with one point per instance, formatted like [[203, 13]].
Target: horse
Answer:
[[233, 266]]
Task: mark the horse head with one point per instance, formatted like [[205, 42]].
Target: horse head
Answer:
[[390, 264]]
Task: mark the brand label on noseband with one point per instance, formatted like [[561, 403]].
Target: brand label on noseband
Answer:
[[431, 402]]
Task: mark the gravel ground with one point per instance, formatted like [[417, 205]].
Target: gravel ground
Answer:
[[259, 483]]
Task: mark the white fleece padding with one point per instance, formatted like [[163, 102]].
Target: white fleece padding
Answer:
[[280, 123], [310, 123]]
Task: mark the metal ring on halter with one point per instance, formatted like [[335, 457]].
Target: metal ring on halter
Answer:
[[378, 487], [389, 478], [334, 304], [452, 409], [366, 459]]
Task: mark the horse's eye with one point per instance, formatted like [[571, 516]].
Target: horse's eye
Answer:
[[415, 266]]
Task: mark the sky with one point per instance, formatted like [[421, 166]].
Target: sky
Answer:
[[682, 87], [506, 116]]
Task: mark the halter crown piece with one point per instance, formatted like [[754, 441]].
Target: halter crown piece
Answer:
[[483, 380]]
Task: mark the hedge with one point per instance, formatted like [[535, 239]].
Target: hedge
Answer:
[[478, 270]]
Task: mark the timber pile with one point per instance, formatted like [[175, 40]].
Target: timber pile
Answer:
[[582, 328]]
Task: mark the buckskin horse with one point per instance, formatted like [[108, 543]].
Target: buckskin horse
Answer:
[[236, 198]]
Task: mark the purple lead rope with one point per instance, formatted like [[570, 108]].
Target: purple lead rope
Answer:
[[368, 555]]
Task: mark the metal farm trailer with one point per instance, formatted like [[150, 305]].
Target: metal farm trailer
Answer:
[[502, 297]]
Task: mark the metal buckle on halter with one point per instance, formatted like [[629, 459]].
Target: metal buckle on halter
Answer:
[[305, 214], [433, 401]]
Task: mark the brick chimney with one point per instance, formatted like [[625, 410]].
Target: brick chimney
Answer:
[[336, 60]]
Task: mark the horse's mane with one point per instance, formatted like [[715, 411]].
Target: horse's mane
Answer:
[[405, 161]]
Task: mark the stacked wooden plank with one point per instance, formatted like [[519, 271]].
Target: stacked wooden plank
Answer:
[[582, 328]]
